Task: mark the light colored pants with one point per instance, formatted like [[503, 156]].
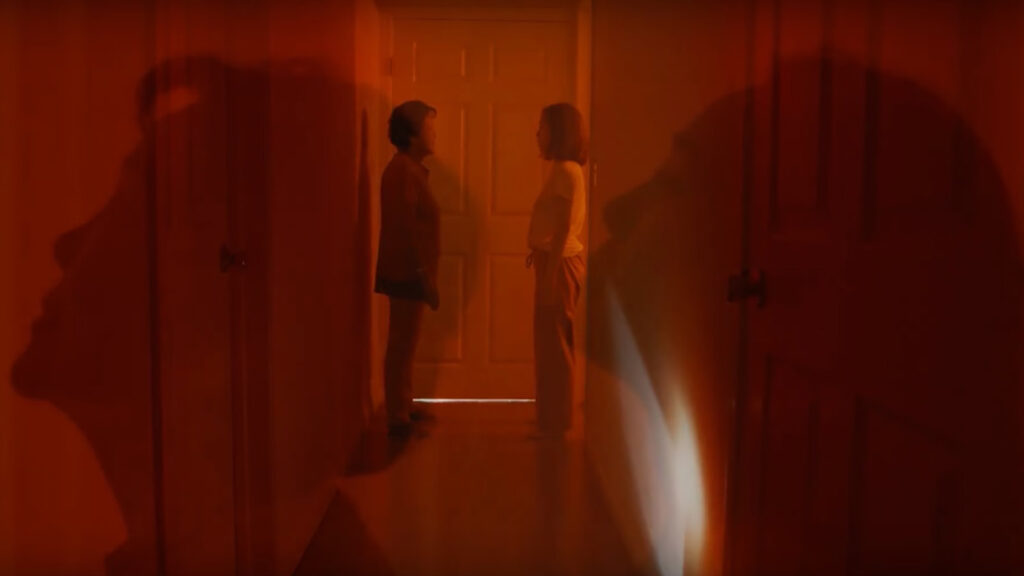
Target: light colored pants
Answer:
[[405, 319], [554, 346]]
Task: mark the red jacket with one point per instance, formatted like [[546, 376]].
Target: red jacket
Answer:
[[410, 230]]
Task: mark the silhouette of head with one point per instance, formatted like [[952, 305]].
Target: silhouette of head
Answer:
[[561, 134], [411, 128]]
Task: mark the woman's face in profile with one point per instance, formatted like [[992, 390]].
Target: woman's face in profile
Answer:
[[543, 136]]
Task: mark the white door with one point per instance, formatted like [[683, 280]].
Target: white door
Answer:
[[488, 80]]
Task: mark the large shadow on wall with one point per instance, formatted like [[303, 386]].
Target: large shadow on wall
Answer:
[[138, 342], [903, 289], [90, 355]]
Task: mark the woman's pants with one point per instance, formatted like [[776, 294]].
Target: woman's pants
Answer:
[[553, 342]]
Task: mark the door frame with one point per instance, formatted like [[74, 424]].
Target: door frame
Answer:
[[577, 12]]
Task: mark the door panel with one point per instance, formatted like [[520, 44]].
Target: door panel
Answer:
[[904, 492], [253, 350], [789, 430], [509, 341], [488, 80], [881, 418], [516, 169], [192, 194]]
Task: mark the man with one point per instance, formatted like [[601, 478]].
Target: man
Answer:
[[408, 254]]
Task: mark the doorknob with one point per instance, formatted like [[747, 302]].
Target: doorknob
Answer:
[[229, 259], [743, 286]]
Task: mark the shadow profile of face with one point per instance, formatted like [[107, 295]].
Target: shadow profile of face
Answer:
[[903, 284], [90, 354]]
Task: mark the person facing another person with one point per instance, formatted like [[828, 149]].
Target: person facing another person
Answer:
[[556, 254], [408, 253]]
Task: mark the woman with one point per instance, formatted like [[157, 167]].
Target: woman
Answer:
[[408, 255], [556, 226]]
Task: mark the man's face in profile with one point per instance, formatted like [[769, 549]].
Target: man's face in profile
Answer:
[[427, 138]]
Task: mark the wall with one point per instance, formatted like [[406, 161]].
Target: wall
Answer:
[[373, 107], [662, 364], [61, 165], [315, 337], [9, 35], [73, 141], [657, 65]]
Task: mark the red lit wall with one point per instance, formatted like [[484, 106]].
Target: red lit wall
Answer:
[[657, 67], [77, 442]]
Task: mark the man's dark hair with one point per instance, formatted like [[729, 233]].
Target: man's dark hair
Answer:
[[406, 121]]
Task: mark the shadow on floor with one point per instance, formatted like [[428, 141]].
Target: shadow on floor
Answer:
[[376, 450], [342, 545]]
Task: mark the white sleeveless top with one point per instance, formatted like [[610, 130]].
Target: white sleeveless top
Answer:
[[561, 178]]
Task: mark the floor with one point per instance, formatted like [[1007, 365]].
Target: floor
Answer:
[[472, 494]]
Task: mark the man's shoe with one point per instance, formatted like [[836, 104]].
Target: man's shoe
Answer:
[[422, 416], [400, 430]]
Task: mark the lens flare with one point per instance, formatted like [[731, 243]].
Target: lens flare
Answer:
[[662, 447]]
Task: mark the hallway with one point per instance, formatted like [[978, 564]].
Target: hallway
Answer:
[[475, 495], [801, 329]]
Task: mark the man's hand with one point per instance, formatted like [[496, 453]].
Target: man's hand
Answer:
[[429, 283], [431, 296]]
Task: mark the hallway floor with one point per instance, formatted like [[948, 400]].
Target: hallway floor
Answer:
[[473, 496]]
